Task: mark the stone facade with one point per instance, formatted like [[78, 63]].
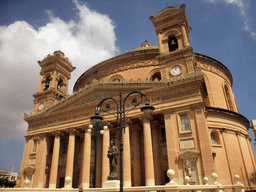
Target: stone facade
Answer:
[[195, 130]]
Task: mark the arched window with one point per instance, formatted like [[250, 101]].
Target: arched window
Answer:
[[228, 97], [173, 44], [47, 83], [60, 85], [116, 78], [214, 138], [156, 75]]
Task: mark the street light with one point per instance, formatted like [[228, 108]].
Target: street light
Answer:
[[105, 127], [120, 115]]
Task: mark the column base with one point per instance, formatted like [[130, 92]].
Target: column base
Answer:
[[52, 186], [112, 183], [127, 183], [86, 185], [150, 182]]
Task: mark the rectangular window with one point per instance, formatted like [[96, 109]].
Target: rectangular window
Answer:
[[184, 123]]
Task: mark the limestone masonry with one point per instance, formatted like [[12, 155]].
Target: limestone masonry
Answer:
[[196, 128]]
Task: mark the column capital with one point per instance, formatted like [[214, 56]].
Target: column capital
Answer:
[[128, 120], [71, 130], [145, 116], [27, 137], [182, 24], [57, 133]]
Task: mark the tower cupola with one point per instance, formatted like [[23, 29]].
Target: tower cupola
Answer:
[[172, 29], [55, 74]]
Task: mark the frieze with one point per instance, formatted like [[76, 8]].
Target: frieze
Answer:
[[59, 120], [96, 97], [180, 94]]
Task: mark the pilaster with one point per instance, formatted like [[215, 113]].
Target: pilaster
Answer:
[[204, 143], [171, 142], [25, 159]]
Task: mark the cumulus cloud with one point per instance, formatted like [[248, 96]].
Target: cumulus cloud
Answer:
[[243, 11], [86, 41]]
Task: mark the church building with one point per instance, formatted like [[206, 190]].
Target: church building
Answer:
[[195, 129]]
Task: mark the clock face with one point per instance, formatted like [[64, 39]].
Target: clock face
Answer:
[[41, 106], [176, 70]]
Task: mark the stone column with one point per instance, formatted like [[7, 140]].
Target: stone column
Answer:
[[148, 152], [25, 159], [160, 43], [55, 161], [105, 160], [70, 156], [86, 159], [127, 156], [53, 83], [136, 155], [204, 143], [184, 33], [41, 162]]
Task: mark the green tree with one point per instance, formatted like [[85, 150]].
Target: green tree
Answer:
[[12, 184], [2, 182]]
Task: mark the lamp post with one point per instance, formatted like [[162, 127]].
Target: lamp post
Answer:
[[120, 115], [97, 128]]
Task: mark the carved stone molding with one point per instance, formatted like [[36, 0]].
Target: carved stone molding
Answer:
[[189, 154], [29, 170], [147, 116]]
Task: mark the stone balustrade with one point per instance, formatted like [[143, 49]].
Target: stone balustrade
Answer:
[[169, 187]]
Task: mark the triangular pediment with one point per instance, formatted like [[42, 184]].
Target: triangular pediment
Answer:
[[88, 97]]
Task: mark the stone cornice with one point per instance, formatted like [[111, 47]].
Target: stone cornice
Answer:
[[81, 105], [209, 64], [116, 87]]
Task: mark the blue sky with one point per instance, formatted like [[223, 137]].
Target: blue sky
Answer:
[[92, 31]]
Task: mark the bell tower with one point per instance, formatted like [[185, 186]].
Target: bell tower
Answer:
[[55, 74], [172, 29]]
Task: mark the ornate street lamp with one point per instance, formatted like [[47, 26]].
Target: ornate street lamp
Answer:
[[120, 115], [97, 128]]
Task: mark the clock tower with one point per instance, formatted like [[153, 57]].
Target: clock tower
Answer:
[[55, 74], [172, 29]]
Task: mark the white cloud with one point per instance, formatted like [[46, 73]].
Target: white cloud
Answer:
[[242, 6], [86, 41]]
